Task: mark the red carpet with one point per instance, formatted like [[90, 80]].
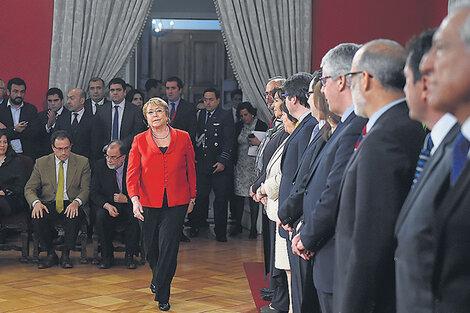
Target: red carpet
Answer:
[[255, 275]]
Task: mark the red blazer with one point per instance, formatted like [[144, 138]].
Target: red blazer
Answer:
[[150, 172]]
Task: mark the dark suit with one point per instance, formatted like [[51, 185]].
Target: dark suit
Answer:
[[89, 108], [414, 255], [81, 135], [44, 140], [451, 275], [103, 187], [131, 124], [218, 134], [29, 136], [185, 118], [319, 203], [373, 189]]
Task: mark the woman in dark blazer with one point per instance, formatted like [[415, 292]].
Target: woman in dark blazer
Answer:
[[161, 182], [12, 180], [245, 166]]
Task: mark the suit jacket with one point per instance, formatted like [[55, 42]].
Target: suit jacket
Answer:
[[451, 273], [150, 172], [131, 125], [185, 118], [29, 136], [42, 184], [414, 255], [321, 198], [81, 136], [44, 140], [273, 180], [373, 189], [291, 157], [104, 185], [217, 145], [88, 107]]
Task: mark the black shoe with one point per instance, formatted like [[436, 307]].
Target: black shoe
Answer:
[[235, 231], [163, 306], [266, 291], [253, 234], [266, 297], [130, 262], [269, 309], [153, 288], [193, 232], [58, 241], [221, 238], [106, 263], [65, 261], [184, 238], [51, 260]]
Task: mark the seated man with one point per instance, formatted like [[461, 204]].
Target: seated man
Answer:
[[57, 190], [111, 204]]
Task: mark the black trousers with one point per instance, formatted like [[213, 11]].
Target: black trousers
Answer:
[[277, 278], [44, 227], [105, 224], [238, 208], [220, 183], [161, 234]]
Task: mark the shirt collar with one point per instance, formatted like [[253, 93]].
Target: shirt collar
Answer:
[[177, 102], [57, 161], [380, 112], [120, 169], [465, 129], [304, 116], [59, 111], [99, 102], [441, 128], [121, 104], [347, 113], [11, 106]]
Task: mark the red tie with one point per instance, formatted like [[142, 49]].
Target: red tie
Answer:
[[363, 133]]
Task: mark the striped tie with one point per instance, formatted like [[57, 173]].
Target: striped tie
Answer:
[[423, 157], [364, 132]]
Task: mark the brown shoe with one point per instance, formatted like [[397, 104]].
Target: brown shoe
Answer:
[[51, 260]]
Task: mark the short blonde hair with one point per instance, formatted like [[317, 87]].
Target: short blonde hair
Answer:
[[158, 102]]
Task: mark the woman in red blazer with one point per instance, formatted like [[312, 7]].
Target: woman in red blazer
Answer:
[[161, 181]]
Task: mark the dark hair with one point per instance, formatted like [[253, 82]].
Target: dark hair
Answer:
[[285, 110], [55, 91], [235, 92], [297, 86], [122, 146], [10, 152], [152, 83], [246, 106], [321, 104], [212, 89], [176, 79], [417, 47], [129, 85], [96, 79], [60, 134], [119, 81], [132, 93], [17, 81]]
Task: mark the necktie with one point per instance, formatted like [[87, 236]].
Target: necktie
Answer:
[[208, 116], [172, 110], [59, 200], [75, 121], [314, 133], [459, 156], [363, 133], [116, 122], [424, 156]]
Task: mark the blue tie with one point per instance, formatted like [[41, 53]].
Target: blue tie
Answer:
[[459, 157], [116, 123], [423, 157]]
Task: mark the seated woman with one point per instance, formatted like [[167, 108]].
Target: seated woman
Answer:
[[12, 181]]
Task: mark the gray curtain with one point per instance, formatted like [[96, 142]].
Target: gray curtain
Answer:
[[93, 38], [265, 39]]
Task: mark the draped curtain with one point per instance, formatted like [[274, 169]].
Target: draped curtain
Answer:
[[265, 39], [93, 38]]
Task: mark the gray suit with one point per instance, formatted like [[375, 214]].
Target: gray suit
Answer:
[[414, 255]]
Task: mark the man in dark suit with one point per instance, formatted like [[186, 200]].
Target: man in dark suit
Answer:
[[296, 101], [376, 181], [321, 182], [20, 119], [448, 91], [214, 142], [97, 90], [118, 119], [57, 191], [414, 255], [111, 203], [48, 119], [182, 113], [78, 122]]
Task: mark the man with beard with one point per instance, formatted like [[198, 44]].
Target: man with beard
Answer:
[[376, 181], [20, 119], [112, 206]]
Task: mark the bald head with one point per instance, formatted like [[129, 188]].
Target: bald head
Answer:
[[76, 99]]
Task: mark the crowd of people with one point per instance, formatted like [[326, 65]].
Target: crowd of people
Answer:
[[362, 173]]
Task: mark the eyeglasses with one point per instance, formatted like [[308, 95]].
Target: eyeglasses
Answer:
[[349, 76], [308, 93], [323, 80], [68, 148], [112, 157], [158, 111]]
